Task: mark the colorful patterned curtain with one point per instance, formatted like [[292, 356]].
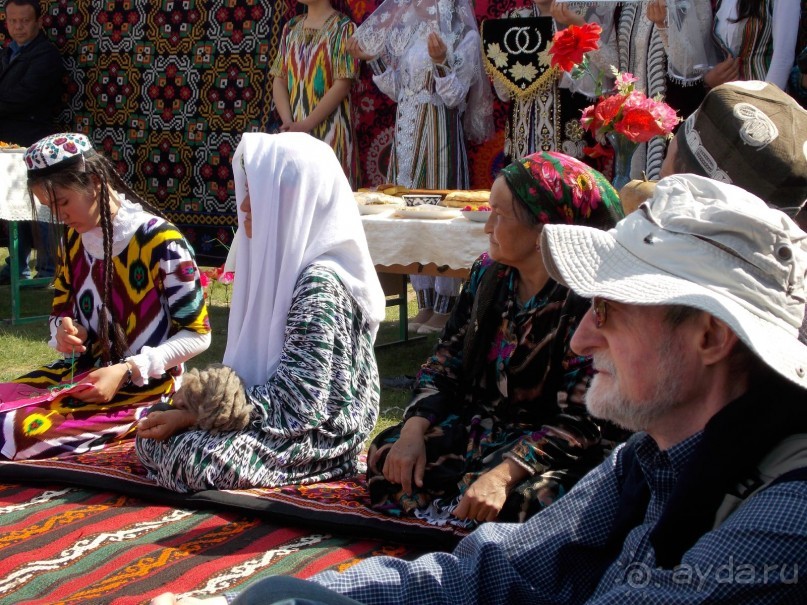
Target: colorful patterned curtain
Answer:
[[166, 87]]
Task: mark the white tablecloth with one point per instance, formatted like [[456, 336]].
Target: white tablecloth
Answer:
[[15, 204], [454, 243]]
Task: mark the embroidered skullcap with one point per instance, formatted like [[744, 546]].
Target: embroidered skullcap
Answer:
[[750, 134], [57, 151], [557, 188]]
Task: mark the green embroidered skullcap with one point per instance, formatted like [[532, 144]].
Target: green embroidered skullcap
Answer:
[[558, 189]]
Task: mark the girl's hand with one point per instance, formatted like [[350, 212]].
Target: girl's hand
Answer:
[[725, 71], [354, 50], [657, 12], [161, 425], [565, 15], [437, 48], [70, 337], [104, 384], [301, 126]]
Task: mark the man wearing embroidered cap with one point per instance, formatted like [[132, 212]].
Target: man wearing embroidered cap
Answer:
[[749, 134], [697, 302]]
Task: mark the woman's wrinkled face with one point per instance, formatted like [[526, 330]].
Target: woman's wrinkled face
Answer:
[[246, 208], [76, 208], [512, 241]]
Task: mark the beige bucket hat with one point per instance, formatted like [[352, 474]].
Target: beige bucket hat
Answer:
[[702, 244]]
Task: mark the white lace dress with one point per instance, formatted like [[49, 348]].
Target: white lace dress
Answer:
[[429, 144]]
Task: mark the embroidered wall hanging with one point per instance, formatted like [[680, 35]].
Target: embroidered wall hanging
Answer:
[[515, 53], [166, 88]]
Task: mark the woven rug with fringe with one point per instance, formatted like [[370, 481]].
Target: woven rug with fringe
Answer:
[[95, 530]]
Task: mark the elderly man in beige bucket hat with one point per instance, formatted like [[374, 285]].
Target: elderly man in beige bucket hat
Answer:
[[697, 299]]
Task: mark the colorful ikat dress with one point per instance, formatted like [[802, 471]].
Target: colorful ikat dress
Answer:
[[311, 60], [308, 421], [157, 293]]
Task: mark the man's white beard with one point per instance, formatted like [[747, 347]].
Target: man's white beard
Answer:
[[606, 401]]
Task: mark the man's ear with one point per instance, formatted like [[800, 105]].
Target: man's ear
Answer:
[[717, 339]]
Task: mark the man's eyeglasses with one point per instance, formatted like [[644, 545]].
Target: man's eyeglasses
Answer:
[[599, 307]]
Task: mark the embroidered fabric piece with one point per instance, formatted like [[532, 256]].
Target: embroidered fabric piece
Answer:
[[128, 220], [758, 130]]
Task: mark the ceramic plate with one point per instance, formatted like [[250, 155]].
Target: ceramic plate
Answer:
[[478, 216], [427, 211], [376, 208]]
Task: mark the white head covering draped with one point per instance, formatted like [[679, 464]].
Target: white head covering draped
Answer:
[[690, 50], [303, 211], [398, 24]]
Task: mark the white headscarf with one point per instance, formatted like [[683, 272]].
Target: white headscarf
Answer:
[[303, 211], [397, 24]]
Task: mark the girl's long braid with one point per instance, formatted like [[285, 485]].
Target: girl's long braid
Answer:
[[113, 342]]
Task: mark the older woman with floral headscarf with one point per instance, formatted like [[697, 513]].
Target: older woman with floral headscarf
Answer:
[[298, 394], [496, 428]]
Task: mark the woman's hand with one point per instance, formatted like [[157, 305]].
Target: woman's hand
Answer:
[[484, 499], [406, 459], [564, 15], [657, 12], [104, 384], [725, 71], [70, 337], [354, 50], [437, 48], [161, 425]]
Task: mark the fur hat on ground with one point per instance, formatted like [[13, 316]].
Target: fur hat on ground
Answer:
[[217, 396]]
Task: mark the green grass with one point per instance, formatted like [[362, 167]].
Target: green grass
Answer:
[[24, 347]]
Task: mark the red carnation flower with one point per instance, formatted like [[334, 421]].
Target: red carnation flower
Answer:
[[570, 44]]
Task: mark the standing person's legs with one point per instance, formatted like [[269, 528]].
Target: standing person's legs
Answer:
[[290, 591], [446, 290], [423, 285]]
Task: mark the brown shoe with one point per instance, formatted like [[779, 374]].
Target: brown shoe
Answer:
[[421, 318], [435, 324]]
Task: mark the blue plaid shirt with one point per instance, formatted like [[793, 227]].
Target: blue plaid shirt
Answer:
[[559, 556]]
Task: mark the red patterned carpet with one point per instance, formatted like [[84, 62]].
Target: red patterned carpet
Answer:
[[72, 545], [94, 529]]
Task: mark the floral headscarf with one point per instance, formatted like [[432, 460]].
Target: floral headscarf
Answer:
[[557, 188]]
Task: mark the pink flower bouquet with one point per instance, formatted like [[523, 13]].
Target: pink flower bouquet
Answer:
[[629, 113]]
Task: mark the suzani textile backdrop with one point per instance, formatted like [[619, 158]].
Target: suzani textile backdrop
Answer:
[[166, 87]]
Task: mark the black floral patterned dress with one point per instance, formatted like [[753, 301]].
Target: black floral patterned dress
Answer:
[[498, 385]]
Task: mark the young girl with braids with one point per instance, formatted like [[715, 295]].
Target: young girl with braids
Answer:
[[131, 322]]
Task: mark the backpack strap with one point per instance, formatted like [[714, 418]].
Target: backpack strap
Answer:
[[786, 461]]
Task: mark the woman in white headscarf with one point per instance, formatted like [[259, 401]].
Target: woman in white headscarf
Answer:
[[427, 56], [298, 394]]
